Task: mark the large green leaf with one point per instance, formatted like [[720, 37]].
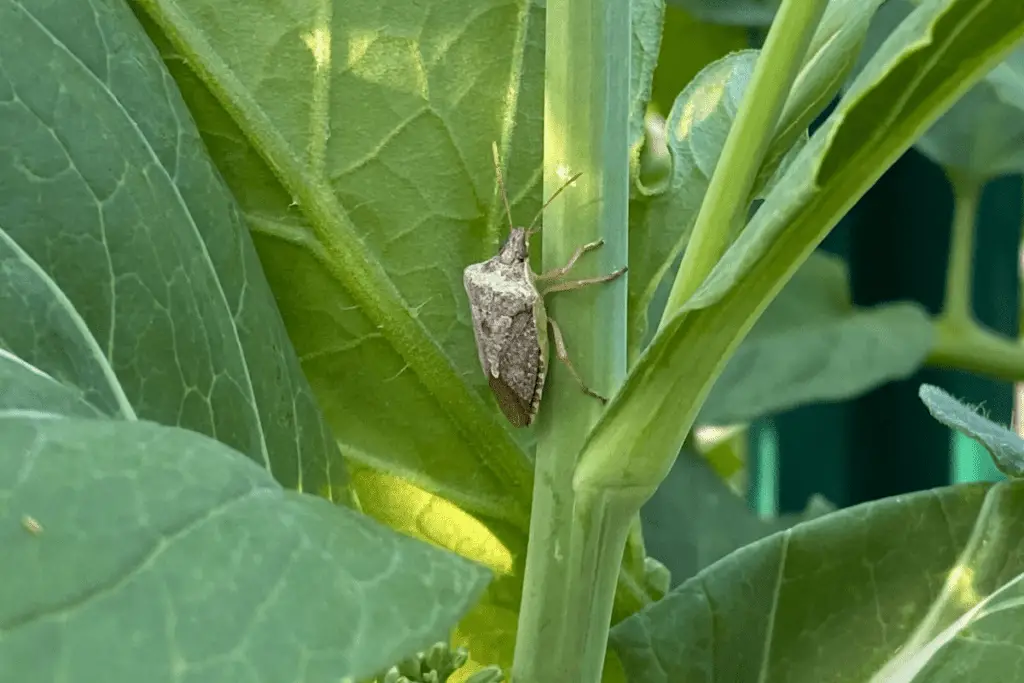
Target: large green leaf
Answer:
[[1005, 446], [697, 126], [982, 135], [151, 553], [934, 57], [920, 588], [126, 273], [812, 344], [356, 137], [359, 147]]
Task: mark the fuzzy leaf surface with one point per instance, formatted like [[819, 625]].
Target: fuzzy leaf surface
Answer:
[[1004, 445]]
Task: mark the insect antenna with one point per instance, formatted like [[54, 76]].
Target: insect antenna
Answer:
[[501, 183], [567, 183]]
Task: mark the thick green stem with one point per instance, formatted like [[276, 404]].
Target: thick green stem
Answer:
[[603, 523], [586, 114], [729, 191]]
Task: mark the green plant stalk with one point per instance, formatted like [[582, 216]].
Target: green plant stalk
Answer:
[[956, 308], [960, 340], [586, 117], [732, 182], [603, 523], [977, 349]]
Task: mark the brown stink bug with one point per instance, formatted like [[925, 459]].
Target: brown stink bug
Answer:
[[509, 318]]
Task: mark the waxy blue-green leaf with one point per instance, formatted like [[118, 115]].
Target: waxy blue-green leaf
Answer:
[[934, 57], [25, 388], [1005, 446], [137, 552], [921, 588], [127, 273], [812, 344], [982, 135]]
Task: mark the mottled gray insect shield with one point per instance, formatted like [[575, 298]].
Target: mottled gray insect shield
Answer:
[[509, 318]]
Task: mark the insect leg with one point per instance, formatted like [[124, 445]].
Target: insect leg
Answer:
[[576, 284], [563, 356], [559, 272]]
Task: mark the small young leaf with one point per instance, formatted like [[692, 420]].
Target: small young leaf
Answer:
[[173, 543], [812, 344], [928, 582], [26, 388], [1005, 447]]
